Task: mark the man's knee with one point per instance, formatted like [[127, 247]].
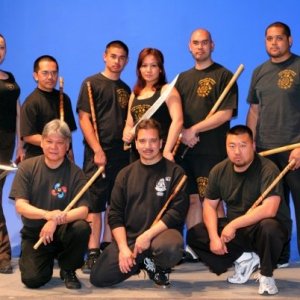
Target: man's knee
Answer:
[[35, 281]]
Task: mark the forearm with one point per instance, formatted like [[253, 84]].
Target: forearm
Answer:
[[29, 211], [33, 139], [174, 132], [254, 216], [89, 132], [210, 219], [120, 237], [156, 229], [78, 213], [252, 118], [216, 120]]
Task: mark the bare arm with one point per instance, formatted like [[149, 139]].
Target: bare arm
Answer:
[[216, 120], [90, 137], [252, 118], [268, 209], [53, 218], [143, 241], [29, 211], [189, 135], [175, 110], [127, 132], [34, 139]]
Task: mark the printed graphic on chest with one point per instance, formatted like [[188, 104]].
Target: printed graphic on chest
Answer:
[[139, 110], [161, 186], [205, 87], [59, 190], [123, 98], [286, 79]]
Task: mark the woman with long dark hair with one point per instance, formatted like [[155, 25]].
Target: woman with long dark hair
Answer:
[[151, 82]]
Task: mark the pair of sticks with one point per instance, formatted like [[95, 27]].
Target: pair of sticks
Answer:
[[100, 169], [177, 188]]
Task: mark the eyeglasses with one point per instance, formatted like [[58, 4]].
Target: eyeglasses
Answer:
[[47, 73]]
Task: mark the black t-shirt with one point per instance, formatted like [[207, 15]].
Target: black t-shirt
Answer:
[[47, 188], [139, 193], [111, 103], [240, 190], [39, 108], [275, 87], [199, 90], [9, 94]]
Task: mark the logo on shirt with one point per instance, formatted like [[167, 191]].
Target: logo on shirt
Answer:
[[286, 79], [205, 87], [139, 110], [161, 186], [58, 190], [123, 98]]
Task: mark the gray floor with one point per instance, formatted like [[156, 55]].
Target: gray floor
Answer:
[[189, 281]]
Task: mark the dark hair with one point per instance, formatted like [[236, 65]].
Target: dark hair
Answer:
[[148, 124], [240, 129], [286, 28], [140, 84], [118, 44], [36, 65], [2, 36]]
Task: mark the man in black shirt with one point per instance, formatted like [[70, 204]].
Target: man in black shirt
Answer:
[[43, 105], [247, 236], [140, 191], [43, 187]]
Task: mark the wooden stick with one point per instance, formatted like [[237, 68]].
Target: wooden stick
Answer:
[[174, 193], [177, 145], [220, 99], [279, 149], [92, 107], [76, 198], [226, 90], [272, 185], [61, 99], [93, 113]]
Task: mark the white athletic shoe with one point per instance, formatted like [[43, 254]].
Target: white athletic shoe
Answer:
[[267, 285], [283, 265], [244, 267]]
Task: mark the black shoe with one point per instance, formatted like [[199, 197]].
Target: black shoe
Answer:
[[90, 261], [159, 276], [70, 279]]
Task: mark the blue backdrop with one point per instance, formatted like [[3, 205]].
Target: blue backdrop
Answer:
[[76, 32]]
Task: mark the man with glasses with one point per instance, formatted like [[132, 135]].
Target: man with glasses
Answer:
[[43, 105], [199, 88]]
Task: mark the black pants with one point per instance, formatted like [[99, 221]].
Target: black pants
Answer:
[[266, 238], [166, 250], [68, 247], [291, 184], [7, 144]]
